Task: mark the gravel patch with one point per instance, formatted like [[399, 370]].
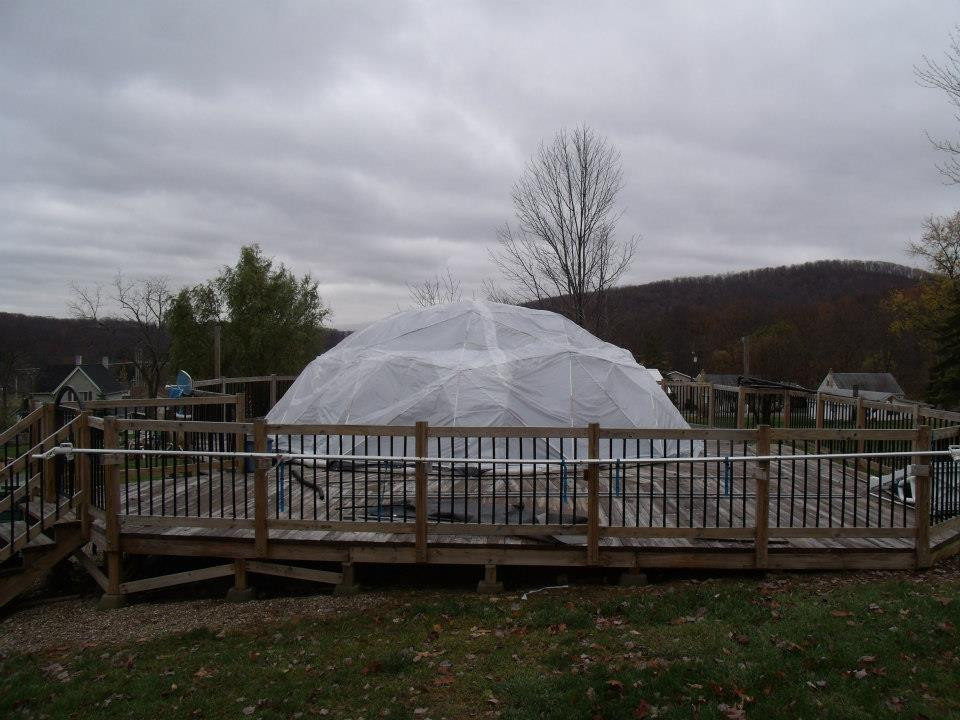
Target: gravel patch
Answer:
[[76, 624]]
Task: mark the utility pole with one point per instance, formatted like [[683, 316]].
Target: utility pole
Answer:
[[746, 355]]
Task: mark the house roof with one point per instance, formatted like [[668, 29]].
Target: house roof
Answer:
[[52, 376], [871, 382], [749, 381], [721, 378]]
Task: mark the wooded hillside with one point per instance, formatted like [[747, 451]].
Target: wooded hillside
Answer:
[[802, 319]]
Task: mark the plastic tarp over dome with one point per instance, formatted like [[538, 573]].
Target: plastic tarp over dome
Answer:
[[478, 363]]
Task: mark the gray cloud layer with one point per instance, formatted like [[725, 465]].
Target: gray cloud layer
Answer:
[[373, 144]]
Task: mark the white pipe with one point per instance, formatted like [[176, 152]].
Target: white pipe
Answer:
[[68, 449]]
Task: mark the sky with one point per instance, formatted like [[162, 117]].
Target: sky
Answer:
[[373, 145]]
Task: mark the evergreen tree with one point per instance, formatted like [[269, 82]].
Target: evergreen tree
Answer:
[[272, 321]]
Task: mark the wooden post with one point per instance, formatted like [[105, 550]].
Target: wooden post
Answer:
[[741, 407], [50, 464], [420, 478], [111, 472], [240, 438], [83, 475], [111, 466], [240, 574], [593, 495], [260, 489], [763, 498], [820, 409], [787, 408], [711, 406], [921, 474], [273, 390]]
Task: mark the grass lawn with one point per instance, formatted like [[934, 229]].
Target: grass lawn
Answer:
[[866, 646]]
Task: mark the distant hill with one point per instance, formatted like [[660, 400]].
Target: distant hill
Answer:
[[802, 319], [34, 341]]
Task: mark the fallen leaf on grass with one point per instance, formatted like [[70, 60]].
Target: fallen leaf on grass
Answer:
[[841, 613], [732, 712]]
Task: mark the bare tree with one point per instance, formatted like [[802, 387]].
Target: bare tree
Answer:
[[143, 304], [440, 289], [563, 244], [945, 76], [940, 245]]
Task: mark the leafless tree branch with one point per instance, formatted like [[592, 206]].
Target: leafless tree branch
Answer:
[[144, 304], [945, 76], [563, 244], [440, 289]]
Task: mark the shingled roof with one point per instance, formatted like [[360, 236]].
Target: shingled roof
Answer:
[[50, 377], [871, 382]]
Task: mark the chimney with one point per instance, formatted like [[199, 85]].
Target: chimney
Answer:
[[105, 361], [78, 360], [856, 391]]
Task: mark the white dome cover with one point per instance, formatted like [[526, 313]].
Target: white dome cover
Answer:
[[476, 363]]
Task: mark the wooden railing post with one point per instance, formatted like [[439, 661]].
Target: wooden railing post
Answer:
[[593, 495], [711, 406], [820, 411], [260, 489], [741, 407], [240, 414], [420, 477], [50, 464], [83, 474], [921, 473], [762, 512], [273, 390], [111, 471], [861, 421]]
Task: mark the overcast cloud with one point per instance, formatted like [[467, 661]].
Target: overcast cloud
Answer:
[[372, 144]]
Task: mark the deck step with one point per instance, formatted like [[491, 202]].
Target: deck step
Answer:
[[37, 541], [68, 541], [49, 512]]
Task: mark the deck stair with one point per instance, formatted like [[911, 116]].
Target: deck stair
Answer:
[[40, 555], [35, 535]]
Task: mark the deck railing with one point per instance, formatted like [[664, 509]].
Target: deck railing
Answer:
[[727, 406], [260, 392], [701, 404], [590, 485]]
